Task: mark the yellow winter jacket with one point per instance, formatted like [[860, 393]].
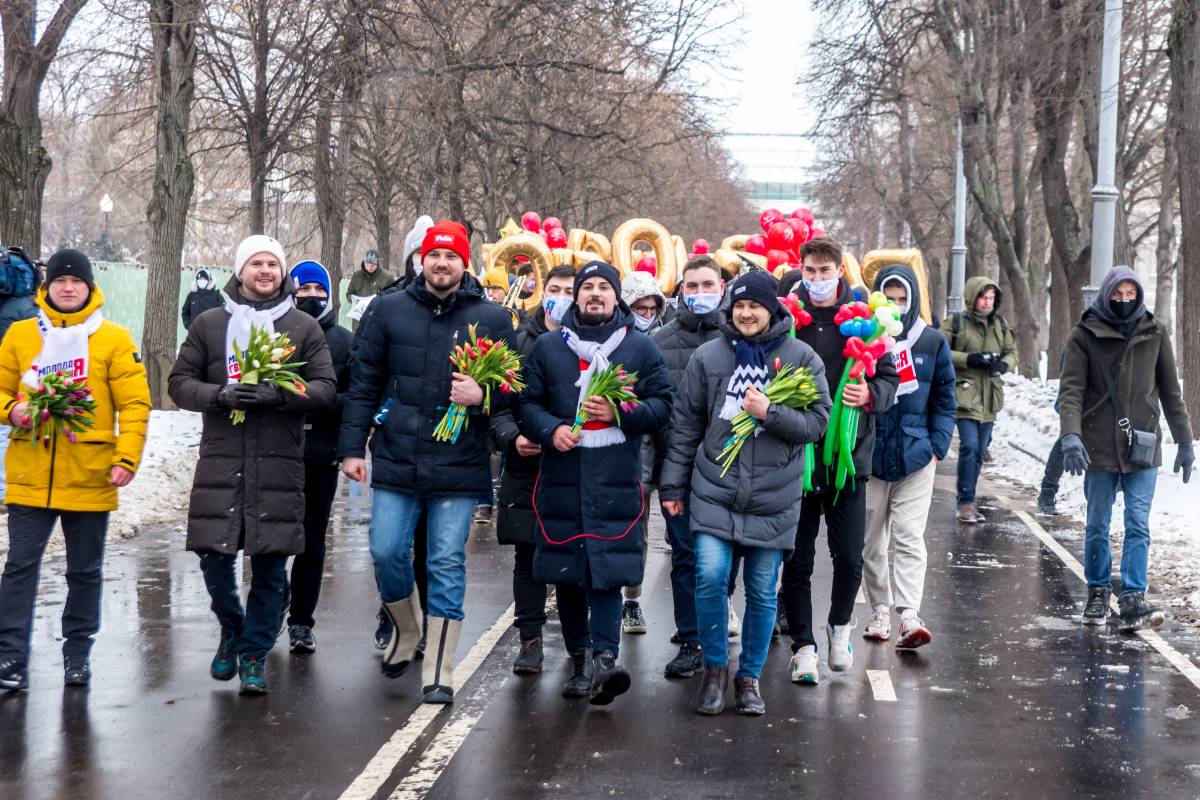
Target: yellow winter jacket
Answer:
[[75, 476]]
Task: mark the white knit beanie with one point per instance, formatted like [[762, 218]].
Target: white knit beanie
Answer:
[[252, 246]]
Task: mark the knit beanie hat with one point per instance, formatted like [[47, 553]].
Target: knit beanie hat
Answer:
[[495, 278], [756, 285], [252, 246], [311, 272], [447, 235], [640, 285], [598, 269], [70, 262]]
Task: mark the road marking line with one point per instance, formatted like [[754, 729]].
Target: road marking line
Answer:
[[380, 767], [881, 685], [860, 598], [1181, 662]]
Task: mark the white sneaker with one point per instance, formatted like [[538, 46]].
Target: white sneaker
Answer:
[[841, 654], [913, 632], [735, 622], [879, 629], [804, 666]]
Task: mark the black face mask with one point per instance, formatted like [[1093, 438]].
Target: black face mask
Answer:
[[1123, 308], [313, 306]]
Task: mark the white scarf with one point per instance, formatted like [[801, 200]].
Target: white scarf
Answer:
[[902, 358], [64, 349], [241, 319], [596, 355]]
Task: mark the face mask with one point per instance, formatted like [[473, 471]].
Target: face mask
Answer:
[[703, 303], [201, 283], [903, 309], [1123, 308], [821, 290], [673, 302], [556, 308], [644, 323], [416, 263], [313, 306]]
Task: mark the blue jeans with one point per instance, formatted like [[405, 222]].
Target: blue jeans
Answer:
[[393, 521], [760, 566], [683, 575], [590, 617], [1100, 488], [257, 626], [973, 440]]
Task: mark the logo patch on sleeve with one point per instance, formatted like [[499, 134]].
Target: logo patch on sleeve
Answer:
[[137, 357]]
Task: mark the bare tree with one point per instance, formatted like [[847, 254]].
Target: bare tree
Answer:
[[1185, 98]]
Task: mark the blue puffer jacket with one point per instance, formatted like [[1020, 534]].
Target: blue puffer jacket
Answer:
[[920, 425]]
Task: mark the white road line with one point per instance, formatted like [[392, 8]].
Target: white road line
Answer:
[[1178, 660], [860, 598], [438, 753], [881, 685], [380, 767]]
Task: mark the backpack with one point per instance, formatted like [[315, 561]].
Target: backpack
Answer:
[[18, 275], [956, 323]]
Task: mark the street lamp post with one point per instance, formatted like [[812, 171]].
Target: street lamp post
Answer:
[[106, 207], [1104, 193], [958, 253]]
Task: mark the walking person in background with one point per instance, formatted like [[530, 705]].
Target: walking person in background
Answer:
[[911, 438], [73, 480], [248, 492], [201, 298], [367, 281], [983, 349], [1119, 371]]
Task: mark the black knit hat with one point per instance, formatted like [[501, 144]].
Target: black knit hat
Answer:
[[70, 262], [758, 286], [599, 269]]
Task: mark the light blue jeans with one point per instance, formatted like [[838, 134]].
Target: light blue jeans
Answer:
[[393, 520], [1101, 488], [714, 558]]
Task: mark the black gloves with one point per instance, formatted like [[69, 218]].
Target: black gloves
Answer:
[[999, 366], [242, 396], [1075, 457], [227, 396], [1184, 460], [979, 360]]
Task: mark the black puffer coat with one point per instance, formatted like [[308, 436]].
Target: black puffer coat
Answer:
[[402, 364], [248, 492], [589, 501], [321, 430], [680, 337]]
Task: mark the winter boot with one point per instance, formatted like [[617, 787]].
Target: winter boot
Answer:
[[383, 631], [1096, 610], [224, 663], [529, 660], [405, 616], [1046, 505], [77, 671], [967, 512], [608, 679], [1137, 613], [252, 671], [632, 619], [711, 699], [580, 682], [841, 654], [749, 701], [686, 663], [14, 677], [437, 673]]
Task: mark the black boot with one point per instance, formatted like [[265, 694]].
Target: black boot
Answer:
[[1046, 504], [1137, 613], [529, 660], [686, 663], [711, 699], [580, 682], [749, 701], [608, 680], [77, 671]]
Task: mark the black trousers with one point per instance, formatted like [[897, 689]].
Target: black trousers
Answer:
[[28, 531], [320, 486], [845, 528], [529, 594], [1054, 470], [590, 617]]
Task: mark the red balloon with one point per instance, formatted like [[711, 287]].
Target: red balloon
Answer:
[[550, 223], [817, 233], [781, 236], [647, 264], [556, 237], [801, 229], [699, 247], [775, 258], [757, 245], [768, 218], [531, 221], [804, 214]]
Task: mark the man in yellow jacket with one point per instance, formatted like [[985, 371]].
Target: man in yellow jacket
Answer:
[[73, 479]]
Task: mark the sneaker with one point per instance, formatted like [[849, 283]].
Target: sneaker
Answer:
[[781, 625], [1046, 505], [804, 666], [735, 622], [483, 515], [685, 664], [841, 654], [13, 675], [529, 660], [1096, 610], [913, 633], [632, 619], [1137, 614], [383, 630], [301, 639], [252, 671], [224, 663], [879, 629], [77, 671]]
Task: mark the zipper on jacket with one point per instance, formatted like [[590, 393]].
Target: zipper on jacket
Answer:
[[53, 456]]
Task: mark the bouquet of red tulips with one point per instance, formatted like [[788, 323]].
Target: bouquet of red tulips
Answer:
[[491, 364], [60, 403], [614, 385], [790, 387], [265, 360]]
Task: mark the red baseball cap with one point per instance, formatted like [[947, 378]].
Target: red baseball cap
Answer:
[[447, 235]]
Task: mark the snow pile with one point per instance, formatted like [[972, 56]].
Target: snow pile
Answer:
[[1021, 441]]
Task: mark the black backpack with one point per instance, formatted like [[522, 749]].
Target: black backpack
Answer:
[[18, 275]]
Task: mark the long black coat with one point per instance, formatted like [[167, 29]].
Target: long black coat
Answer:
[[321, 430], [197, 302], [249, 486], [402, 362], [589, 501]]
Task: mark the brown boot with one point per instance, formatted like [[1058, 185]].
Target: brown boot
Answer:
[[968, 513], [711, 699]]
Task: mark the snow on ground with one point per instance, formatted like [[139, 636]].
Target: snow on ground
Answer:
[[1024, 433], [158, 494]]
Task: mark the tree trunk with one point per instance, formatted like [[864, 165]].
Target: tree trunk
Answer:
[[1164, 257], [258, 127], [173, 28], [1184, 48]]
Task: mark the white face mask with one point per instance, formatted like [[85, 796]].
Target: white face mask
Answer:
[[416, 262], [201, 283], [556, 308], [821, 290], [703, 302], [644, 323]]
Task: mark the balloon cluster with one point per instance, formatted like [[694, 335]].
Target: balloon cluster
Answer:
[[550, 229], [795, 307], [782, 237]]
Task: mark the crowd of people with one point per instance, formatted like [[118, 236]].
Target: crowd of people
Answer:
[[572, 503]]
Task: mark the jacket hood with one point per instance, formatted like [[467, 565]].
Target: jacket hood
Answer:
[[977, 286], [469, 290], [233, 288], [62, 319], [412, 243], [1100, 308], [203, 273], [781, 324], [903, 273]]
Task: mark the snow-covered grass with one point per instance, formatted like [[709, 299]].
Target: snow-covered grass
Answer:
[[1024, 433]]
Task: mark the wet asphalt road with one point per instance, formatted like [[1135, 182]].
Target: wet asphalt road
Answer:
[[1012, 699]]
